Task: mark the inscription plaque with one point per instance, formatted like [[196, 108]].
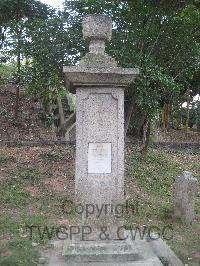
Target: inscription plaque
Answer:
[[99, 158]]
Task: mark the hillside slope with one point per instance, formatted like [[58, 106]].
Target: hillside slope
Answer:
[[28, 126]]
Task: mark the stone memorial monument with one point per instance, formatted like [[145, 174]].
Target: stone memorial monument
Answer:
[[99, 177], [99, 85]]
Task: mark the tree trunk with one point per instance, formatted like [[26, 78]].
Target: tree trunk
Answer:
[[181, 116], [187, 114], [128, 116], [61, 112], [18, 31], [172, 116], [18, 79], [146, 135], [16, 111], [165, 117]]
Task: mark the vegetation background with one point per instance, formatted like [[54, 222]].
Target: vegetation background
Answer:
[[159, 37]]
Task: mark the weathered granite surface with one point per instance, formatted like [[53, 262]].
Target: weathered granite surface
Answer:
[[99, 85], [144, 253], [82, 76], [96, 68], [97, 29], [185, 195]]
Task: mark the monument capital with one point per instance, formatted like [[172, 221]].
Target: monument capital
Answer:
[[97, 68], [97, 30]]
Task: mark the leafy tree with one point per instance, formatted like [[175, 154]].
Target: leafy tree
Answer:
[[42, 40], [161, 38], [7, 72], [198, 116], [13, 17], [49, 47]]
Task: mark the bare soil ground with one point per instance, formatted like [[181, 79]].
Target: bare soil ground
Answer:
[[28, 126], [176, 135]]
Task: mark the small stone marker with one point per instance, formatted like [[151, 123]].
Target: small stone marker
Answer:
[[185, 194]]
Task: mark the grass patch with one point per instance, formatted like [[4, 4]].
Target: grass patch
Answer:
[[19, 249], [27, 202], [4, 159], [13, 195], [26, 175], [154, 176], [149, 182], [155, 172], [8, 224], [186, 243], [21, 253]]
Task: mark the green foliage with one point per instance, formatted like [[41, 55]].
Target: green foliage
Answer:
[[4, 159], [7, 72], [42, 42], [161, 39], [198, 116], [12, 17], [45, 53], [13, 195], [19, 249], [10, 9]]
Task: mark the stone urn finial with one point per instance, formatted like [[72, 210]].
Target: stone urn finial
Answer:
[[97, 29]]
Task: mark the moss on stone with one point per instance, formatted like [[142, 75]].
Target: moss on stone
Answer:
[[97, 61]]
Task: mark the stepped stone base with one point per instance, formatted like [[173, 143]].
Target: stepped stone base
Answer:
[[110, 254], [115, 253]]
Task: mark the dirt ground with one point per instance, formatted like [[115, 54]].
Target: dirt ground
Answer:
[[29, 126]]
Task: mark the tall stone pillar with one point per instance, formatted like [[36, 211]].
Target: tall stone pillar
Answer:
[[99, 85]]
